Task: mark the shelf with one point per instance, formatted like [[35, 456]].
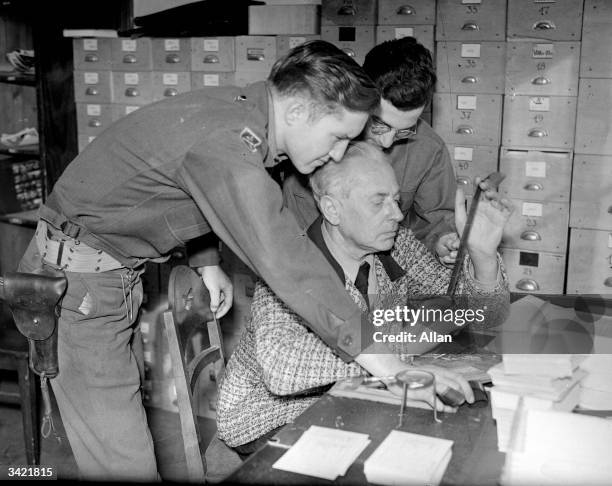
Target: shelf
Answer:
[[18, 78], [20, 151], [28, 219]]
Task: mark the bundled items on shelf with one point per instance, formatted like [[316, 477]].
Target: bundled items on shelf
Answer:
[[596, 387], [26, 138], [22, 60]]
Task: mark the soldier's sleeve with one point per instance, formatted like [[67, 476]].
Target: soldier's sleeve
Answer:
[[298, 198], [244, 207]]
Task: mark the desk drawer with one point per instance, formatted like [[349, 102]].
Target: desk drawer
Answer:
[[91, 54], [554, 20], [467, 119], [534, 272], [255, 53], [213, 54], [478, 20], [470, 67], [284, 43], [355, 41], [93, 86], [537, 226], [536, 176], [133, 88], [406, 12], [93, 118], [348, 12], [167, 85], [470, 162], [422, 33], [595, 59], [542, 68], [590, 262], [171, 54], [591, 205], [206, 79], [593, 119], [539, 121], [131, 54]]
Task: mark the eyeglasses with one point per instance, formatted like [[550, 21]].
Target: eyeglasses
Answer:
[[379, 127]]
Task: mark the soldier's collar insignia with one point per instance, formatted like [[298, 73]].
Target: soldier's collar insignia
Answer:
[[250, 139]]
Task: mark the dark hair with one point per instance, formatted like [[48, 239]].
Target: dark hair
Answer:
[[327, 75], [403, 71]]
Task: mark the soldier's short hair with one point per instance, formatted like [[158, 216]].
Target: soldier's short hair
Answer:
[[327, 75]]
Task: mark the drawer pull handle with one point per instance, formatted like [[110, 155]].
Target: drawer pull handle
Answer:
[[537, 133], [132, 92], [463, 180], [211, 59], [406, 10], [92, 91], [92, 58], [95, 123], [173, 58], [470, 26], [350, 52], [540, 81], [527, 284], [464, 130], [534, 186], [470, 80], [255, 55], [129, 59], [531, 236], [170, 92], [347, 10], [544, 25], [608, 282]]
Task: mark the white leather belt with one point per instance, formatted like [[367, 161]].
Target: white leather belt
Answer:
[[72, 255]]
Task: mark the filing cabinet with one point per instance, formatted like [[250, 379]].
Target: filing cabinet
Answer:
[[551, 20], [406, 12], [355, 41], [537, 226], [243, 78], [93, 118], [91, 54], [133, 88], [534, 272], [167, 85], [534, 175], [471, 20], [284, 19], [131, 54], [119, 111], [590, 262], [203, 80], [467, 119], [539, 121], [542, 68], [213, 54], [593, 121], [422, 33], [171, 54], [255, 53], [470, 162], [591, 205], [93, 86], [284, 43], [348, 12], [595, 59], [464, 67]]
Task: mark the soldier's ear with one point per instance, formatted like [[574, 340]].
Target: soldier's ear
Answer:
[[330, 209], [296, 112]]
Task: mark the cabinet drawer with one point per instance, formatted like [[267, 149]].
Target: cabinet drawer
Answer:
[[213, 54], [590, 262], [121, 110], [471, 162], [406, 12], [534, 272], [595, 59], [93, 86], [133, 88], [167, 85], [536, 175], [591, 205], [422, 33], [131, 54], [593, 125], [171, 54], [552, 20], [538, 68], [478, 20], [348, 12], [93, 118], [539, 121], [467, 119], [284, 43], [203, 80], [255, 53], [83, 140], [91, 54], [355, 41], [470, 67]]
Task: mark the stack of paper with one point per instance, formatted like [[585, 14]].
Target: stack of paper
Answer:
[[559, 448], [554, 365], [405, 458], [323, 452], [596, 387]]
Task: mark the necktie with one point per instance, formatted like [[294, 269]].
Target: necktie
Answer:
[[361, 282]]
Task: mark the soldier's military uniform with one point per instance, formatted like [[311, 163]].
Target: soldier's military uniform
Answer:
[[167, 173]]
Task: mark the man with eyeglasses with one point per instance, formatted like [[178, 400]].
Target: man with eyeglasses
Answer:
[[404, 73]]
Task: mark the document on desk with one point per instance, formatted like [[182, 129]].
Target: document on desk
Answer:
[[323, 452], [406, 458]]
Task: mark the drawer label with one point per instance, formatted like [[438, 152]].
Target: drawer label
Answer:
[[128, 45], [90, 44], [609, 240], [91, 78], [543, 51], [131, 78], [532, 209], [296, 41], [172, 45], [470, 50], [211, 45], [401, 32], [539, 103], [470, 2], [535, 169], [211, 80], [466, 102], [90, 138], [94, 110], [463, 153], [170, 79], [130, 108]]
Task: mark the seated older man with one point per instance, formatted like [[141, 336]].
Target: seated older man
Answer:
[[280, 367]]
